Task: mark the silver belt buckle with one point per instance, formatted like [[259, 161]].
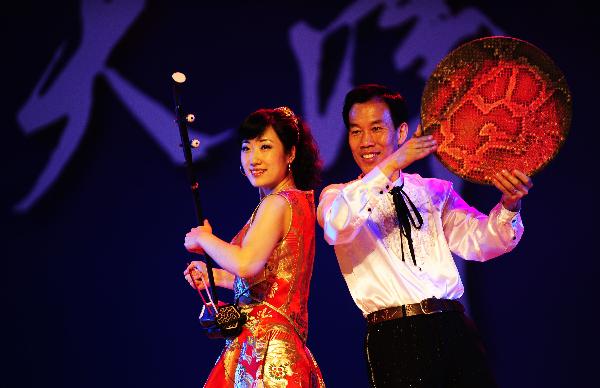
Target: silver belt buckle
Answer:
[[424, 306]]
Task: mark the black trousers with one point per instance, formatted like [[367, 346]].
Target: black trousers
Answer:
[[436, 350]]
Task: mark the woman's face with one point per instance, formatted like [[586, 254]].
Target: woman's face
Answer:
[[264, 160]]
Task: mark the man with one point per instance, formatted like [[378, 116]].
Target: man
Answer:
[[393, 234]]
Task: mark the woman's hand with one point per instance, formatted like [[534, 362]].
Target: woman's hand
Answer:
[[196, 270], [194, 273], [513, 186], [194, 237]]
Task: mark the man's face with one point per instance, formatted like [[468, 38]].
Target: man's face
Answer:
[[371, 134]]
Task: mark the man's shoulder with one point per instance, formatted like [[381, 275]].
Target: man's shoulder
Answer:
[[337, 186], [429, 184]]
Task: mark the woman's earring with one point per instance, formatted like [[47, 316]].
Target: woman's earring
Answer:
[[289, 167], [242, 171]]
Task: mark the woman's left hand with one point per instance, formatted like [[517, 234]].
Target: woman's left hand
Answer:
[[514, 186], [194, 237]]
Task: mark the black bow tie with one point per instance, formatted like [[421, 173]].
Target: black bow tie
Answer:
[[405, 218]]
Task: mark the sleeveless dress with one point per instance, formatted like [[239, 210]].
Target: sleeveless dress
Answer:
[[271, 351]]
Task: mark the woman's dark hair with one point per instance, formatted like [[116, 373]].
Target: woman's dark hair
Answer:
[[368, 92], [307, 165]]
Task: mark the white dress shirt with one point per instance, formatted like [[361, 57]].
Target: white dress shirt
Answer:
[[359, 218]]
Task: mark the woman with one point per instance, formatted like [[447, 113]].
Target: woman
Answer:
[[269, 263]]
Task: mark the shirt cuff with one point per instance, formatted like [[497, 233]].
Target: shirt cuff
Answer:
[[377, 181], [505, 215]]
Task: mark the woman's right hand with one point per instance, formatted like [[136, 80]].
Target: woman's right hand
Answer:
[[197, 269]]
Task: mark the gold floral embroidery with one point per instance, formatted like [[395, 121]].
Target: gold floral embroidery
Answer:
[[278, 366], [264, 313], [279, 371], [273, 290]]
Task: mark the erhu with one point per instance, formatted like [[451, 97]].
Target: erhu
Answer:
[[219, 320]]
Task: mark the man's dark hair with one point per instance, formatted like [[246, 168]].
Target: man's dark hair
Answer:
[[368, 92]]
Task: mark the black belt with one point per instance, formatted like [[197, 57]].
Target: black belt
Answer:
[[426, 306]]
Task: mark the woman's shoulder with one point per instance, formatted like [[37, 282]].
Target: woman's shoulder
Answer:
[[283, 200], [273, 203], [298, 197]]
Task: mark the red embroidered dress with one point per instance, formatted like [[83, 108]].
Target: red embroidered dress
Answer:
[[271, 350]]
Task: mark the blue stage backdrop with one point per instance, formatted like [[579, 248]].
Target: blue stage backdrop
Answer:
[[95, 203]]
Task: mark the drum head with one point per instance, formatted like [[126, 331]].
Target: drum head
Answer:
[[496, 103]]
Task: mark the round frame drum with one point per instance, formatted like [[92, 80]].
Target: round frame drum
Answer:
[[496, 103]]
